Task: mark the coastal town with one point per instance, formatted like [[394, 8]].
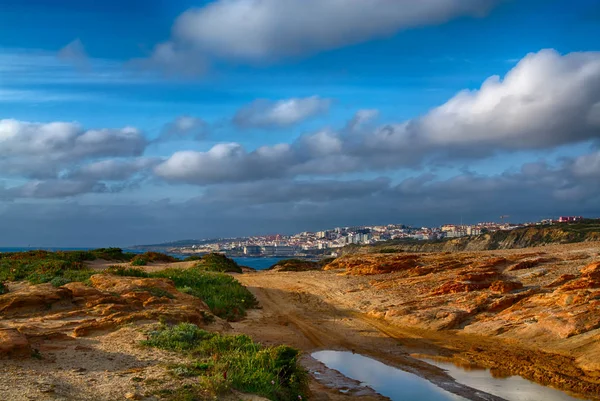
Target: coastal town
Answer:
[[326, 242]]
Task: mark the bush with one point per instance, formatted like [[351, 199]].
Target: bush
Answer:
[[139, 260], [295, 265], [3, 288], [152, 257], [216, 262], [223, 362], [192, 258], [223, 294], [126, 271], [42, 266], [59, 281]]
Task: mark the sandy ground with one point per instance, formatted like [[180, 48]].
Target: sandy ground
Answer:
[[328, 310], [315, 310]]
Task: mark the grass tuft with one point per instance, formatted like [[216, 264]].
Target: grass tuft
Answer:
[[223, 294], [224, 362]]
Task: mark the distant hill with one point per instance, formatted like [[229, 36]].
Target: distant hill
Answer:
[[180, 243], [524, 237]]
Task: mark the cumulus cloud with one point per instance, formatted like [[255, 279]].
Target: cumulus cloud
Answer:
[[41, 150], [225, 163], [184, 128], [264, 113], [362, 117], [544, 102]]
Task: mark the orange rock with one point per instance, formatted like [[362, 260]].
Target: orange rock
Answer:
[[563, 278], [13, 344], [32, 299], [504, 287], [453, 287], [592, 271]]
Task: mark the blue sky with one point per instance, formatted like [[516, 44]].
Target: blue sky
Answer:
[[217, 118]]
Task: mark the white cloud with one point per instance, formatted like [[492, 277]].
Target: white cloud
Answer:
[[225, 162], [544, 101], [259, 30], [282, 113], [42, 150], [184, 127]]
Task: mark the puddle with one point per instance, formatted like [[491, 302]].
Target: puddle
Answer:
[[513, 388], [388, 381]]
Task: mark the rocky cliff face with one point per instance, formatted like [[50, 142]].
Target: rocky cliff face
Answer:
[[515, 239]]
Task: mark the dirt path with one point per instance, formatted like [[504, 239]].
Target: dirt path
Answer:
[[308, 320]]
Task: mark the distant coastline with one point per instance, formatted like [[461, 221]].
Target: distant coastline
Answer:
[[255, 262]]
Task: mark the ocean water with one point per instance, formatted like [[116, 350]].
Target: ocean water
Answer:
[[258, 263], [255, 263]]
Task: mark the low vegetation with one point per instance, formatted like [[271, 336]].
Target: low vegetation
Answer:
[[3, 288], [216, 262], [223, 294], [225, 362], [295, 265], [61, 267], [152, 257]]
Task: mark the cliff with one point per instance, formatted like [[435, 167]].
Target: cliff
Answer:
[[525, 237]]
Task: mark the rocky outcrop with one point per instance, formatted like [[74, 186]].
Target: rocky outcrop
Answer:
[[520, 295], [524, 237], [13, 344], [34, 312]]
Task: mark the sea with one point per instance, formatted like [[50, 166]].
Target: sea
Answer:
[[255, 263]]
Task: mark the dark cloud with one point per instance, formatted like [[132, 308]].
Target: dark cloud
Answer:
[[536, 191], [113, 169]]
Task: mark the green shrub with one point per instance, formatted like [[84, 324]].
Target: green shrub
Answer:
[[223, 362], [223, 294], [295, 265], [139, 260], [157, 292], [126, 271], [3, 288], [152, 257], [42, 266], [216, 262], [59, 281], [192, 258]]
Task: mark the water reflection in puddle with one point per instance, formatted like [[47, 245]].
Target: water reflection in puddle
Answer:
[[513, 388], [386, 380]]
